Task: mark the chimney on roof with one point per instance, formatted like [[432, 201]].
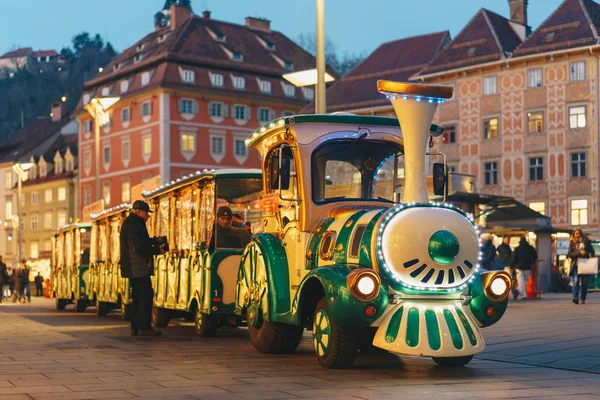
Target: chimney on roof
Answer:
[[179, 14], [58, 110], [258, 24], [206, 14], [518, 11]]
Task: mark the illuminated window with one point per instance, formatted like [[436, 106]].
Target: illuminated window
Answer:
[[62, 194], [146, 145], [449, 135], [34, 198], [188, 142], [106, 193], [34, 250], [48, 196], [125, 191], [8, 180], [577, 117], [48, 220], [8, 209], [34, 222], [538, 206], [578, 165], [490, 128], [490, 85], [535, 122], [577, 71], [62, 218], [579, 212]]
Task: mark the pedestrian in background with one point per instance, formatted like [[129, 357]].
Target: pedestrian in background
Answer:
[[39, 285], [27, 283], [18, 280], [580, 246], [3, 279], [522, 259], [505, 255], [136, 250], [488, 252]]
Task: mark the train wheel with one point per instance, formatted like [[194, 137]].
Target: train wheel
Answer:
[[335, 347], [206, 324], [125, 309], [273, 337], [61, 304], [80, 305], [452, 361], [160, 317], [101, 308]]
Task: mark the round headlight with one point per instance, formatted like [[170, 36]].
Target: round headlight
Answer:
[[365, 285], [499, 286]]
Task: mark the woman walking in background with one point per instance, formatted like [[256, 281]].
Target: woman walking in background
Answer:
[[579, 247]]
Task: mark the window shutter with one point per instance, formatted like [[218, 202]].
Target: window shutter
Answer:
[[195, 106], [180, 105], [224, 110], [271, 115], [248, 114]]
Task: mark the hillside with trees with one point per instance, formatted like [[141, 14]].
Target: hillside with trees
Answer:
[[28, 93]]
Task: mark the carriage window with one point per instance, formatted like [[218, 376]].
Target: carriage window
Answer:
[[353, 170], [163, 217], [286, 168], [185, 222]]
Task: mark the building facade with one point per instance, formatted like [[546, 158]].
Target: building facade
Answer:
[[185, 98]]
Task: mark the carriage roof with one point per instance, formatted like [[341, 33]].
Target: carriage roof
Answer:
[[111, 211], [225, 173], [73, 226]]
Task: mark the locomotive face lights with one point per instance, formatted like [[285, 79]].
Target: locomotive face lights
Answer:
[[498, 286], [363, 284]]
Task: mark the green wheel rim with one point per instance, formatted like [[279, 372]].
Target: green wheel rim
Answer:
[[322, 333]]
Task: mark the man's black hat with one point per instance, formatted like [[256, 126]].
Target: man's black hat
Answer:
[[224, 212], [141, 205]]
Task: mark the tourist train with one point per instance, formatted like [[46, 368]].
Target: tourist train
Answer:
[[345, 242]]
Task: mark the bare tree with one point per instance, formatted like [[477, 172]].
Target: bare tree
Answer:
[[342, 64]]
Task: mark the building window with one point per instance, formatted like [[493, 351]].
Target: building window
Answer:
[[43, 170], [105, 91], [126, 151], [538, 206], [240, 112], [124, 86], [87, 126], [106, 193], [491, 173], [238, 57], [217, 109], [577, 71], [62, 218], [48, 220], [217, 146], [188, 106], [87, 196], [48, 196], [240, 148], [535, 122], [265, 86], [578, 165], [145, 78], [87, 160], [579, 212], [534, 78], [69, 162], [146, 145], [8, 181], [47, 245], [490, 85], [289, 90], [146, 109], [577, 117], [34, 222], [536, 169], [106, 155], [34, 198], [34, 250], [58, 166], [216, 80], [449, 135], [188, 142], [126, 114], [125, 191], [265, 114], [62, 194], [188, 76], [490, 128], [86, 98], [309, 93], [239, 83], [8, 209]]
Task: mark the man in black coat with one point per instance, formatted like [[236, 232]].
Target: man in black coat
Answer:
[[505, 255], [136, 249], [522, 259], [3, 278]]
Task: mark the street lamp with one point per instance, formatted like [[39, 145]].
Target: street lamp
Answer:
[[20, 169], [321, 103], [98, 109]]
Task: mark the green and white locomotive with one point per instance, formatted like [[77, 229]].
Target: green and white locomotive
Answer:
[[340, 255]]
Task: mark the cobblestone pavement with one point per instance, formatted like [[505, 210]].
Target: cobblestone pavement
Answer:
[[541, 349]]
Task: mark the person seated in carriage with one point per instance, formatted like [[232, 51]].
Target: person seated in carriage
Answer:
[[227, 235]]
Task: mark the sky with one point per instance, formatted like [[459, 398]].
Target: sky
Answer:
[[354, 26]]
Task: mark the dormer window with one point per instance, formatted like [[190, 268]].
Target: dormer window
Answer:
[[265, 87], [161, 38], [233, 55], [124, 86], [188, 76], [137, 58], [288, 65], [217, 36], [289, 90], [86, 98], [550, 36], [265, 44], [58, 164], [105, 91], [217, 80], [116, 67], [309, 93], [145, 78], [220, 38], [140, 47], [471, 52], [239, 83], [238, 57]]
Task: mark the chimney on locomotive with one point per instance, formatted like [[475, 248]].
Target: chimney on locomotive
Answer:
[[414, 105]]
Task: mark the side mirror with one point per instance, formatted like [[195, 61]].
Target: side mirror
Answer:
[[440, 179]]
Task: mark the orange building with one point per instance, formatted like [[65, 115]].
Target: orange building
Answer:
[[187, 96]]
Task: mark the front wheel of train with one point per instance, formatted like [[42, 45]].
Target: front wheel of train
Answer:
[[102, 308], [61, 304], [272, 337], [334, 347], [160, 317], [452, 361], [80, 305], [206, 325]]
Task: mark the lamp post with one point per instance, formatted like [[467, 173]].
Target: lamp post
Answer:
[[20, 169], [98, 109], [320, 103]]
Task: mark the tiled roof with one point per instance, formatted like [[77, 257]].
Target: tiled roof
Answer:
[[30, 137], [574, 23], [487, 37], [193, 46], [22, 52], [397, 60], [44, 53]]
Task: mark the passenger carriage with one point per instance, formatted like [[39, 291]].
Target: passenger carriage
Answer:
[[343, 257], [197, 277], [69, 276]]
